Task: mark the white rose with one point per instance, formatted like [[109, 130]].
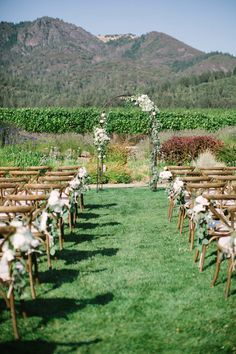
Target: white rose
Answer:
[[4, 268], [18, 240], [53, 198], [199, 208], [201, 200], [43, 221], [165, 175], [82, 172], [9, 255], [35, 243]]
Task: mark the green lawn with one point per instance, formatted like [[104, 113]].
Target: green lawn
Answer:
[[126, 283]]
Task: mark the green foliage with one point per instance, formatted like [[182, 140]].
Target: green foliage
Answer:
[[118, 176], [120, 120], [227, 154], [20, 155], [117, 153]]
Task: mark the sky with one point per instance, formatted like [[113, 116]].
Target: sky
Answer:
[[207, 25]]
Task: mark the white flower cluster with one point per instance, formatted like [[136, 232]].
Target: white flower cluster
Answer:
[[177, 192], [22, 241], [144, 103], [101, 139], [55, 205], [55, 202], [79, 184], [178, 185], [165, 175], [200, 205]]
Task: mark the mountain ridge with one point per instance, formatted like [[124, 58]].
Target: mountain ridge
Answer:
[[67, 65]]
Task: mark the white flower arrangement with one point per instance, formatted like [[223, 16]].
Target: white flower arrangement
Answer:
[[55, 203], [22, 242], [176, 191], [165, 175], [144, 102], [77, 186], [178, 185], [101, 139], [47, 222], [202, 219]]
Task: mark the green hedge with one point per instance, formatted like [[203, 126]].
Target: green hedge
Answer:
[[120, 120]]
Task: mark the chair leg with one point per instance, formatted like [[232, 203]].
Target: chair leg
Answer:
[[217, 270], [61, 233], [81, 202], [32, 288], [48, 252], [70, 221], [179, 219], [230, 270], [196, 256], [182, 222], [192, 233], [76, 214], [202, 258], [13, 315], [170, 209], [36, 270]]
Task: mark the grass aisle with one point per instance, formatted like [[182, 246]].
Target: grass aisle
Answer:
[[125, 283]]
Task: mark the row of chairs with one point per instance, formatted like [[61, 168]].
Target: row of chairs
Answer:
[[25, 194], [217, 190]]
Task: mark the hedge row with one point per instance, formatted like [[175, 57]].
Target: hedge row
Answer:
[[120, 120]]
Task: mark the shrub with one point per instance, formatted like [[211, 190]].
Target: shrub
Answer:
[[117, 153], [207, 159], [181, 150], [227, 154], [121, 176]]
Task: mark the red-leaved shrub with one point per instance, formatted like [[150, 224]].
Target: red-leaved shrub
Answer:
[[185, 149]]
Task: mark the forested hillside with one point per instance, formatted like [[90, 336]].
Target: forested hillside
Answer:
[[48, 62]]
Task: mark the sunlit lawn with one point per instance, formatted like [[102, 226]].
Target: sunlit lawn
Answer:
[[126, 283]]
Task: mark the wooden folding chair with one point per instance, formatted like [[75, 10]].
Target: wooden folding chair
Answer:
[[18, 180], [61, 173], [5, 170], [38, 203], [33, 175], [215, 173], [74, 168], [195, 190], [230, 182], [7, 188], [5, 232], [46, 188], [55, 179], [226, 249], [7, 214], [39, 168], [181, 167], [218, 212]]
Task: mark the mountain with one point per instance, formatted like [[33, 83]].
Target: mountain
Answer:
[[48, 62]]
